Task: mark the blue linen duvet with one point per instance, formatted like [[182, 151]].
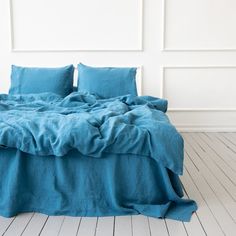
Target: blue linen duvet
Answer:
[[89, 156]]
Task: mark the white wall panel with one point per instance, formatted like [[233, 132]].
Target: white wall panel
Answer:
[[199, 25], [76, 25], [200, 88]]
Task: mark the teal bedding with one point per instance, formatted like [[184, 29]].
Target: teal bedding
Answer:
[[88, 156]]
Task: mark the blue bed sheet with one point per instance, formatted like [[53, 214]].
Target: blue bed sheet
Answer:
[[77, 185]]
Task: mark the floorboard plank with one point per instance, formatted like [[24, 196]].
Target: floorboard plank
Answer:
[[19, 224], [87, 226], [105, 226], [123, 226], [221, 149], [70, 226], [215, 152], [231, 137], [158, 227], [35, 225], [140, 226], [176, 228], [230, 145], [194, 227], [52, 226], [5, 223]]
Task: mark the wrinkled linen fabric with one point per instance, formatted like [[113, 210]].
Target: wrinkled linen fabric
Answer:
[[85, 156], [47, 124], [77, 185]]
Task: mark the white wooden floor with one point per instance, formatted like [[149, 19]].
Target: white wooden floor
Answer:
[[209, 178]]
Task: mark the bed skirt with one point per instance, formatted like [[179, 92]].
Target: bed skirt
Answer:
[[78, 185]]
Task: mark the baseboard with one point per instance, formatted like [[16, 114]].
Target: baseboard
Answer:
[[205, 128]]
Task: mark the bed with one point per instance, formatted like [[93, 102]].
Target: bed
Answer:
[[82, 155]]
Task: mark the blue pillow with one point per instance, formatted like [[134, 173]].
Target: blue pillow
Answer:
[[25, 80], [107, 82]]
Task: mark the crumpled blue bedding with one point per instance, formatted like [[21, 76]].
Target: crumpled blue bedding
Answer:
[[47, 124], [85, 156]]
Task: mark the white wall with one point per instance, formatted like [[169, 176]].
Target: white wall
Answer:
[[187, 48]]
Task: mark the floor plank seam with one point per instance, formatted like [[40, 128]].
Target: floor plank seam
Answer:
[[61, 225], [114, 226], [77, 231], [8, 226], [43, 226], [27, 224], [131, 221], [95, 232], [150, 233], [185, 229], [167, 228]]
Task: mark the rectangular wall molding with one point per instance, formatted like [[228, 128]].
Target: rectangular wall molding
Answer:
[[43, 26], [203, 34], [190, 109]]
